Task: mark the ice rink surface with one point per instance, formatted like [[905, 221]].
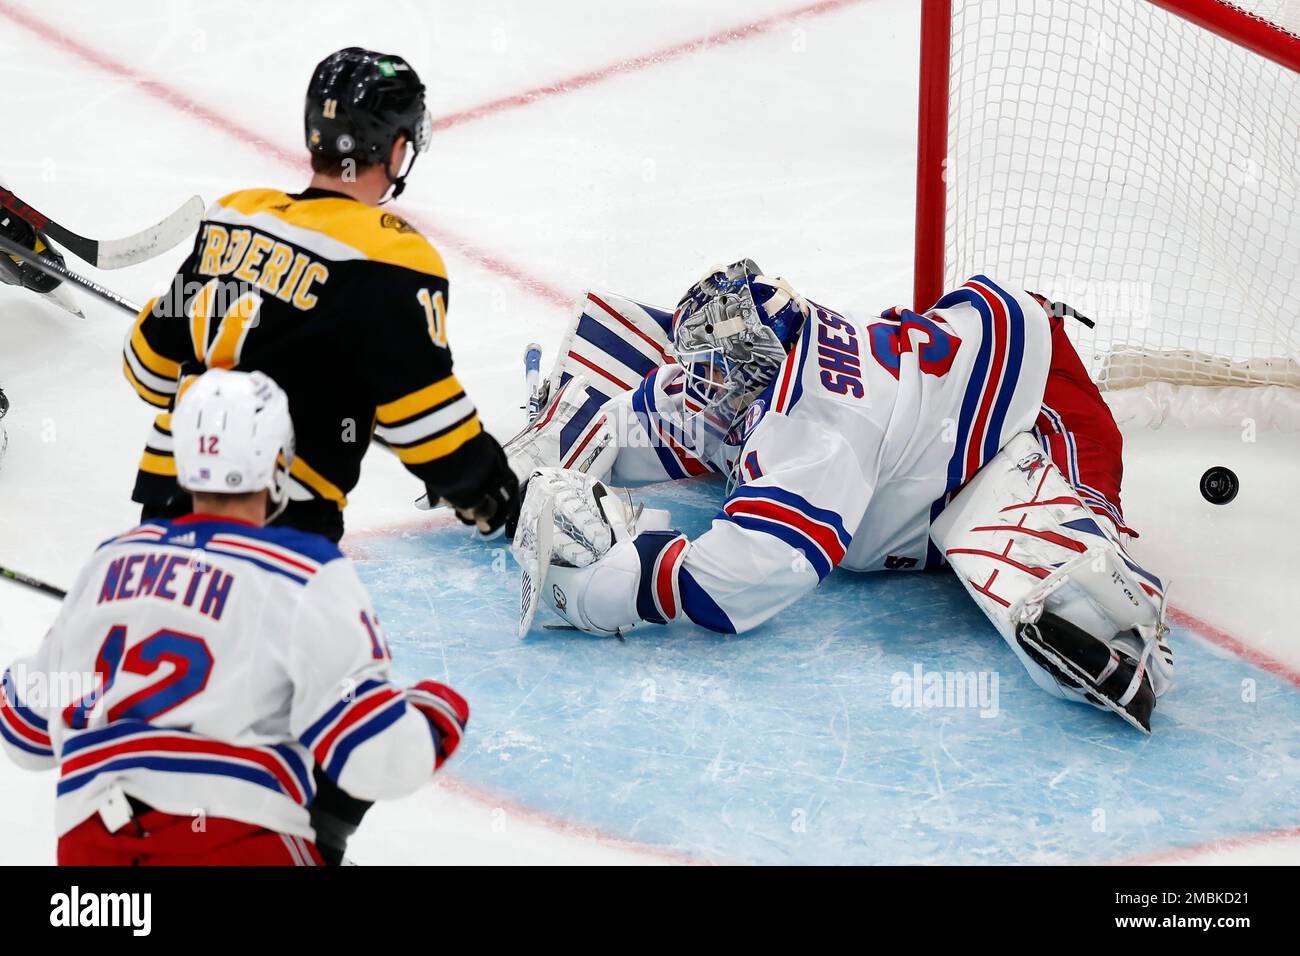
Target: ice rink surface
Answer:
[[573, 149]]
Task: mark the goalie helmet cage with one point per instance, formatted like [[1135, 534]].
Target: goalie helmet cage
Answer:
[[1137, 159]]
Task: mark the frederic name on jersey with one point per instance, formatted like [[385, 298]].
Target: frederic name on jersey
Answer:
[[254, 260], [263, 261]]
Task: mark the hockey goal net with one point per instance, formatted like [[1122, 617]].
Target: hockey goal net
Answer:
[[1137, 159]]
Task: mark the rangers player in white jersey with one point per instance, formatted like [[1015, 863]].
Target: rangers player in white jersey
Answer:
[[968, 434], [222, 659]]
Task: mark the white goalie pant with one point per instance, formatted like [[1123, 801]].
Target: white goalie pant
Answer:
[[1022, 542]]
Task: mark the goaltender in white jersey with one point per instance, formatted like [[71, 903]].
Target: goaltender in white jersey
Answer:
[[223, 658], [967, 434]]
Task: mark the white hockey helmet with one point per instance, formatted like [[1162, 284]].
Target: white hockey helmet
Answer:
[[232, 434]]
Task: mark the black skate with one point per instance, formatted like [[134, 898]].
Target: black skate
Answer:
[[1107, 675]]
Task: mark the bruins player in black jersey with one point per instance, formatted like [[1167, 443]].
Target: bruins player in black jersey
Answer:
[[345, 305], [341, 302]]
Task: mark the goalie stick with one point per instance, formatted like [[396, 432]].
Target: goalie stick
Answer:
[[536, 396], [532, 374], [60, 272], [19, 578], [533, 553], [112, 253]]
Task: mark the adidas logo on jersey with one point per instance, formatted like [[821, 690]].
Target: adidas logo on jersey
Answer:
[[188, 539]]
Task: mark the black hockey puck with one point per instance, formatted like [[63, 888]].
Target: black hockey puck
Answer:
[[1219, 485]]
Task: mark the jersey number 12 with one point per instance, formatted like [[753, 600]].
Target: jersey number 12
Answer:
[[191, 666]]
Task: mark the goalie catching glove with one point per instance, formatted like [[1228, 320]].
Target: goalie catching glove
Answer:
[[591, 556]]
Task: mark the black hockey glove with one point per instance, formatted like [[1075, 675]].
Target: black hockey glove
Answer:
[[21, 232], [494, 506]]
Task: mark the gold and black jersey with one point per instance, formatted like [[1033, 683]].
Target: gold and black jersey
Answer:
[[345, 306]]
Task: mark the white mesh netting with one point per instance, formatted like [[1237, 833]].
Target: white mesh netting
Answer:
[[1140, 168]]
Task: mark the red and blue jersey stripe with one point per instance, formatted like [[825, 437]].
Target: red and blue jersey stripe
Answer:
[[666, 440], [372, 707], [267, 555], [286, 552], [818, 532], [20, 726], [667, 588], [990, 388], [135, 745], [662, 555], [787, 387], [145, 532]]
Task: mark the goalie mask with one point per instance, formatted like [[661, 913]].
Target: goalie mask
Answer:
[[731, 332]]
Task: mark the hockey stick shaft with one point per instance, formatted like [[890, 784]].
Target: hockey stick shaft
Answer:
[[60, 272], [532, 376], [111, 253], [19, 578]]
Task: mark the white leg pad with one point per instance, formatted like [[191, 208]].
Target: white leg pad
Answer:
[[1022, 542], [538, 446]]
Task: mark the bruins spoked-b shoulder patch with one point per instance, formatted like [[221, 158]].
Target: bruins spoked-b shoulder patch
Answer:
[[390, 221]]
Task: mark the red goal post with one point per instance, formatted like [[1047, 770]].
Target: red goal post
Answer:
[[1139, 159]]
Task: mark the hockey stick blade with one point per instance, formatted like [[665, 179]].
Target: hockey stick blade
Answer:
[[112, 253], [151, 242], [64, 299]]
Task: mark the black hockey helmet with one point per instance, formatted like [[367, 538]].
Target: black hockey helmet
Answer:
[[359, 102]]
